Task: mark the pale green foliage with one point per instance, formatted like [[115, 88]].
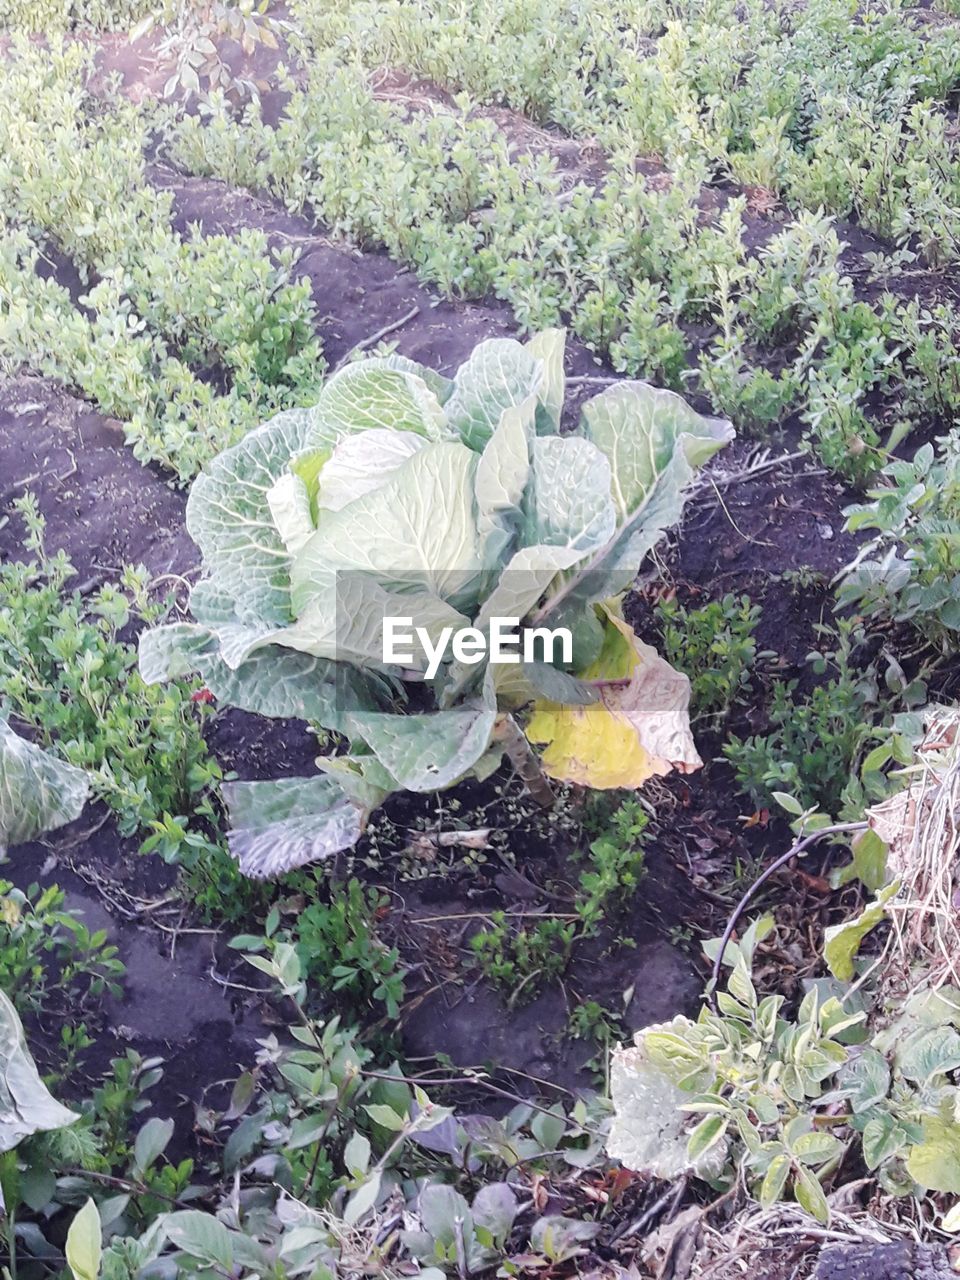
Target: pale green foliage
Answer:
[[38, 792], [747, 1088], [165, 308], [627, 260], [401, 494], [48, 17], [83, 1247], [910, 570], [26, 1106]]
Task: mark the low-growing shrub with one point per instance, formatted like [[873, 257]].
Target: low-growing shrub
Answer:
[[65, 672], [714, 645]]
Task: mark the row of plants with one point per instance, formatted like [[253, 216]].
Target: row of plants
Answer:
[[639, 267], [192, 341], [48, 16], [818, 109], [188, 340]]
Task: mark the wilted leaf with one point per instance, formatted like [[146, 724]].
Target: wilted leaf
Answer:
[[431, 751], [638, 728], [647, 1133], [277, 826], [935, 1162], [842, 941]]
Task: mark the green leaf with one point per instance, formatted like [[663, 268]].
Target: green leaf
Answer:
[[775, 1179], [151, 1142], [438, 384], [882, 1138], [929, 1053], [292, 511], [935, 1162], [500, 374], [557, 513], [26, 1106], [809, 1194], [444, 1213], [430, 751], [84, 1247], [279, 825], [501, 478], [788, 802], [370, 394], [870, 859], [361, 463], [385, 1116], [229, 516], [842, 941], [174, 651], [495, 1208], [653, 441], [201, 1236], [707, 1134], [356, 1154], [416, 532], [363, 1199], [866, 1080], [816, 1148], [38, 792], [548, 345]]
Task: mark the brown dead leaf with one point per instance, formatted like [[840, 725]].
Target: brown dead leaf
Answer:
[[672, 1248]]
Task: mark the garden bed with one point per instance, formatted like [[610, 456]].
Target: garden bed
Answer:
[[464, 936]]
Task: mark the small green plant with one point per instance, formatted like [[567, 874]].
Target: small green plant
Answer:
[[338, 947], [910, 570], [615, 858], [523, 958], [750, 1091], [47, 952], [817, 741], [714, 645]]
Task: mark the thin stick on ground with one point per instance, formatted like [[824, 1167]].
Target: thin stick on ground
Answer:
[[374, 338]]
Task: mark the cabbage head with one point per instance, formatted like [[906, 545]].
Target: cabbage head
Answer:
[[449, 502]]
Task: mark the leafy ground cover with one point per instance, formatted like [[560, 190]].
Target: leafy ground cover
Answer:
[[400, 1058]]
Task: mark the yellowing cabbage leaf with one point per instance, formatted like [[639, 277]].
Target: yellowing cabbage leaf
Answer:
[[639, 727]]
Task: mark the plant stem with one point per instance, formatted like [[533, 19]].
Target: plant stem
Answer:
[[799, 846], [524, 760]]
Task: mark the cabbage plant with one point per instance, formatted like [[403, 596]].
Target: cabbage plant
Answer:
[[450, 503]]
